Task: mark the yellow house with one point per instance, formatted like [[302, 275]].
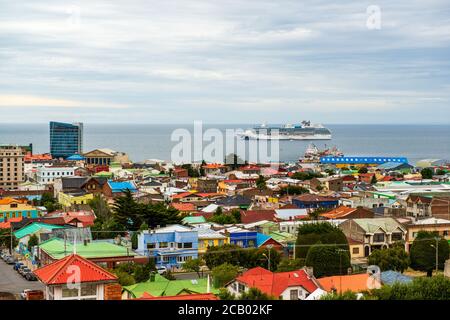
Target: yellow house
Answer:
[[210, 238], [69, 199], [17, 209]]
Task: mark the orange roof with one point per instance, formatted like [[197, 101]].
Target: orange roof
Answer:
[[353, 282], [213, 166], [7, 224], [199, 296], [35, 157], [182, 195], [9, 200], [62, 271], [183, 206], [275, 283], [338, 213]]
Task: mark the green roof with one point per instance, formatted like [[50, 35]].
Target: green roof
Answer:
[[194, 219], [104, 174], [282, 236], [56, 249], [163, 287], [33, 228]]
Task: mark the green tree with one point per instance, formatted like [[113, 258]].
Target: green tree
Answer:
[[255, 294], [394, 258], [427, 173], [5, 239], [373, 180], [125, 279], [328, 260], [218, 211], [306, 175], [33, 241], [217, 255], [236, 214], [363, 170], [347, 295], [293, 190], [441, 172], [224, 294], [127, 211], [319, 232], [193, 265], [261, 183], [202, 169], [100, 207], [223, 274], [286, 265], [423, 252], [49, 202], [233, 161]]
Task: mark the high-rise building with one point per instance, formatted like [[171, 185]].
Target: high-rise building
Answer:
[[11, 166], [65, 139]]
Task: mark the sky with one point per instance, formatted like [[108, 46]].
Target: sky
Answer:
[[225, 61]]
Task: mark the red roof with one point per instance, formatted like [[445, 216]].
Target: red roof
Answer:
[[275, 283], [62, 271], [182, 195], [213, 166], [338, 213], [199, 296], [354, 282], [250, 216], [7, 224]]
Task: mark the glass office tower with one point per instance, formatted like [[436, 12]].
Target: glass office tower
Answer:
[[66, 139]]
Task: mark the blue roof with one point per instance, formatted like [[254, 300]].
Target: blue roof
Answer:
[[261, 238], [362, 160], [75, 157], [122, 186], [390, 277], [391, 165]]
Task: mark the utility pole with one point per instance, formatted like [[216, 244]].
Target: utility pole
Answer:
[[437, 255]]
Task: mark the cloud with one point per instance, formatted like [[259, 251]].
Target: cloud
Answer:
[[11, 101]]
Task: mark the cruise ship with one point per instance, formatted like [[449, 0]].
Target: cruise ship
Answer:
[[303, 131]]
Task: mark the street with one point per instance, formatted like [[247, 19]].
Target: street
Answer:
[[11, 281]]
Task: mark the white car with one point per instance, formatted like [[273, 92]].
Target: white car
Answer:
[[161, 270]]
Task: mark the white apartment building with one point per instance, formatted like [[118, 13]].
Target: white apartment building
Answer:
[[48, 174]]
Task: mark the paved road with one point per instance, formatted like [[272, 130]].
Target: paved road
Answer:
[[11, 281]]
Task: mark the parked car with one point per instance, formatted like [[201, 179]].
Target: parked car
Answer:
[[30, 276], [17, 265], [10, 260], [161, 270], [23, 271]]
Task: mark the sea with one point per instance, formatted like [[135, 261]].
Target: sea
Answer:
[[153, 141]]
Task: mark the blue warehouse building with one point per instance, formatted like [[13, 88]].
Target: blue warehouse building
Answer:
[[362, 160], [170, 246]]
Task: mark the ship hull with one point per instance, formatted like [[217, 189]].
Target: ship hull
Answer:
[[255, 136]]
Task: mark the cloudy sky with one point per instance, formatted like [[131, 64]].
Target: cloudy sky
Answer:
[[225, 61]]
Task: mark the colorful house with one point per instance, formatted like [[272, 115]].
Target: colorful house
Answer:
[[92, 282], [69, 199], [41, 230], [209, 238], [244, 239], [311, 201], [171, 246], [15, 208]]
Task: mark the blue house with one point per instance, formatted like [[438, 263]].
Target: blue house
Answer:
[[311, 201], [117, 188], [244, 239], [170, 246]]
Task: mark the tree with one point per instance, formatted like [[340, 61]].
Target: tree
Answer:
[[347, 295], [216, 256], [49, 202], [441, 172], [202, 169], [363, 170], [286, 265], [100, 208], [373, 180], [223, 274], [33, 241], [125, 279], [233, 160], [421, 288], [315, 214], [423, 252], [293, 190], [427, 173], [255, 294], [127, 211], [330, 172], [306, 175], [193, 265], [236, 213], [261, 183], [5, 239], [394, 258], [224, 294], [328, 260], [319, 232], [218, 211]]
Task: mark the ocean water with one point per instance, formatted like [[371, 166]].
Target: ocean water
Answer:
[[142, 141]]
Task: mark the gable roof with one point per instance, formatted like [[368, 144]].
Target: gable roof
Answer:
[[33, 228], [275, 283], [59, 272], [250, 216], [183, 206], [371, 225], [354, 282]]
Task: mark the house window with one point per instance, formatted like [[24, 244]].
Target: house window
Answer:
[[241, 288], [355, 251], [378, 237], [210, 243], [151, 246], [397, 236], [221, 242], [163, 245], [251, 243], [187, 245], [293, 294]]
